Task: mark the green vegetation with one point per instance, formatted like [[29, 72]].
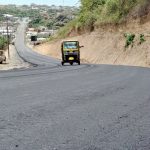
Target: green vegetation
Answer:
[[94, 13], [53, 20], [142, 38], [129, 40], [1, 18], [63, 32], [12, 11], [3, 42], [37, 21], [19, 12], [48, 16], [54, 23]]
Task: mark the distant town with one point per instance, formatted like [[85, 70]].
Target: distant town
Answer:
[[44, 20]]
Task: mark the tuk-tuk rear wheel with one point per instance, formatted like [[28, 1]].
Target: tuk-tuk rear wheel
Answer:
[[71, 63], [62, 63]]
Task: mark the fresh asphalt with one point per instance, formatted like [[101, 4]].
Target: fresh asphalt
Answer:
[[87, 107]]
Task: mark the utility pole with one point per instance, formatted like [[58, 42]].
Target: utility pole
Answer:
[[7, 37], [3, 34]]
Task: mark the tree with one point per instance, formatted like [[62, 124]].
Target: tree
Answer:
[[89, 5], [3, 42]]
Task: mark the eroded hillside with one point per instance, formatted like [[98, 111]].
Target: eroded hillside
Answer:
[[106, 44]]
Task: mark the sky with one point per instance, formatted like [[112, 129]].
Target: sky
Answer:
[[48, 2]]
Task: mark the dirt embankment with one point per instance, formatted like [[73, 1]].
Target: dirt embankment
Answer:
[[108, 46]]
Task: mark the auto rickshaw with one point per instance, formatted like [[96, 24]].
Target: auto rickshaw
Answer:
[[70, 52]]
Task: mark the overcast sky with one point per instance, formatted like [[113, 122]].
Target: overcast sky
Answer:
[[48, 2]]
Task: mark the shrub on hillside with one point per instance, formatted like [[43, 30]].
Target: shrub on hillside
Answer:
[[97, 12], [3, 42]]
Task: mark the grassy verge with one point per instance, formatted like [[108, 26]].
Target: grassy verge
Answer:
[[98, 12], [3, 43]]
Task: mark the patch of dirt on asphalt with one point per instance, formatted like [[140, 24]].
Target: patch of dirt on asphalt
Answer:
[[14, 62]]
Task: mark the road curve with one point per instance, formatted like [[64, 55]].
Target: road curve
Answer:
[[87, 107], [27, 54]]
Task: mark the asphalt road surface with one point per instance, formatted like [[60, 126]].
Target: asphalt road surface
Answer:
[[87, 107]]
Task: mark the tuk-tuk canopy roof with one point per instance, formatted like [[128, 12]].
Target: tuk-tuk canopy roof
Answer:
[[70, 44]]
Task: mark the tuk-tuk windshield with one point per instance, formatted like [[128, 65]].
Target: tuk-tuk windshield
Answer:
[[70, 45]]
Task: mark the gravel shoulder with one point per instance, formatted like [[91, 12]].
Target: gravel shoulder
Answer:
[[14, 62]]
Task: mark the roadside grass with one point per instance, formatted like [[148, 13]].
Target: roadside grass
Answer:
[[3, 43], [99, 12]]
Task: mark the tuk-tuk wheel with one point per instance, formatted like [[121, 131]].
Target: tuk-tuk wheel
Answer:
[[71, 63], [62, 63]]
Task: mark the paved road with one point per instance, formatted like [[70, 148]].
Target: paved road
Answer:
[[87, 107], [27, 54]]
